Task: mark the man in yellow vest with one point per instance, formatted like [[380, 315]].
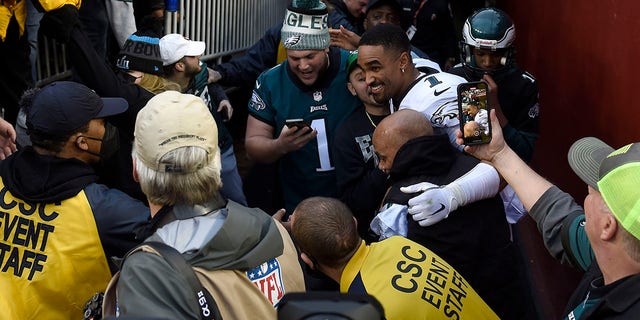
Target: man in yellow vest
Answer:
[[59, 228], [409, 280]]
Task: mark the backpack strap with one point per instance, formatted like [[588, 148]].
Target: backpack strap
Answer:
[[208, 307], [109, 301]]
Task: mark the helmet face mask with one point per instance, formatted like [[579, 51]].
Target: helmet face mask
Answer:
[[489, 29]]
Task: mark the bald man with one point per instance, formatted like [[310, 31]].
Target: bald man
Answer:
[[475, 238], [393, 132], [471, 129]]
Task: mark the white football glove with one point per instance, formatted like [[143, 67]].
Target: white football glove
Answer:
[[432, 205], [436, 202]]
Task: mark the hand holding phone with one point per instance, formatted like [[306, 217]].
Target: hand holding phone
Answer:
[[299, 123], [296, 136], [473, 111]]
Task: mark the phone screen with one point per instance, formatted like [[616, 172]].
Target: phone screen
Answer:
[[296, 123], [473, 111]]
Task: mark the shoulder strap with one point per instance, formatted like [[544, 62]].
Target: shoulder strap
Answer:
[[109, 299], [208, 307]]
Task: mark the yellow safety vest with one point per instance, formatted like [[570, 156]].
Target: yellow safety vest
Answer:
[[19, 9], [282, 53], [412, 282], [49, 5], [51, 258]]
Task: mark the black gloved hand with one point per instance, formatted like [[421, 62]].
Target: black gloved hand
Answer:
[[58, 24]]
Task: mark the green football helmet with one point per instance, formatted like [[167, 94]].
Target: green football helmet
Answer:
[[490, 29]]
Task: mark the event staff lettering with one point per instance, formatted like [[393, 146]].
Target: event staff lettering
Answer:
[[23, 240], [439, 284]]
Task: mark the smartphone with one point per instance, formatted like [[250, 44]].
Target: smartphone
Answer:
[[296, 123], [473, 111]]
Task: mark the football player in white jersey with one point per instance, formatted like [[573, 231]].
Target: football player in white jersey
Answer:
[[384, 55]]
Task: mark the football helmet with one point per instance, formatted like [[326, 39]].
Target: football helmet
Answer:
[[490, 29]]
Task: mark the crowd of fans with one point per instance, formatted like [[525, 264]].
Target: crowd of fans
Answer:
[[355, 103]]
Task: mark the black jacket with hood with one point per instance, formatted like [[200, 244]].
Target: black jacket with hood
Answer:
[[474, 239]]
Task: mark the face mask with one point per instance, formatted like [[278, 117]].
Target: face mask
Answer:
[[110, 142]]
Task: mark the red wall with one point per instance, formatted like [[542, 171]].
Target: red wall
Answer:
[[584, 55]]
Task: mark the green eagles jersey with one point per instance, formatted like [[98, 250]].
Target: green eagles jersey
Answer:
[[279, 96]]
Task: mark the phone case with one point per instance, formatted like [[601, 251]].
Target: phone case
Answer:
[[296, 123], [473, 112]]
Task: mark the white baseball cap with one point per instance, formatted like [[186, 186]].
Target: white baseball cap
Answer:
[[175, 46]]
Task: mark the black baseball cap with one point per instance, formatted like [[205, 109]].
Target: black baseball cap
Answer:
[[376, 3], [62, 107]]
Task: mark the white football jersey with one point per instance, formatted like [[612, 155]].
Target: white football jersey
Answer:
[[482, 118], [435, 96]]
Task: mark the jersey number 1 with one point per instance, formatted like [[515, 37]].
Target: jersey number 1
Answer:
[[323, 145]]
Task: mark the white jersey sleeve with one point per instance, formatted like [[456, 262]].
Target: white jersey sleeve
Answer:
[[436, 96], [482, 118]]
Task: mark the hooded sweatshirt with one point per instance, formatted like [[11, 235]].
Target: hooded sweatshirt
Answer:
[[58, 230], [340, 16], [244, 258]]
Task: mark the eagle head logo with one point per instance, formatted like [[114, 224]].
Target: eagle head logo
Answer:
[[292, 41]]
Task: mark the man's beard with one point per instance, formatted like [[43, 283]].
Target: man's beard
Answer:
[[192, 72]]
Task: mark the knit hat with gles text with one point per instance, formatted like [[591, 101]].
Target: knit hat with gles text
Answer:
[[306, 26]]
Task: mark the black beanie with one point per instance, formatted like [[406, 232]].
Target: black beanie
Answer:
[[141, 52]]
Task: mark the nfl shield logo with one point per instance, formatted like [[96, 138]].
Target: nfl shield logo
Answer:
[[268, 278], [317, 96]]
